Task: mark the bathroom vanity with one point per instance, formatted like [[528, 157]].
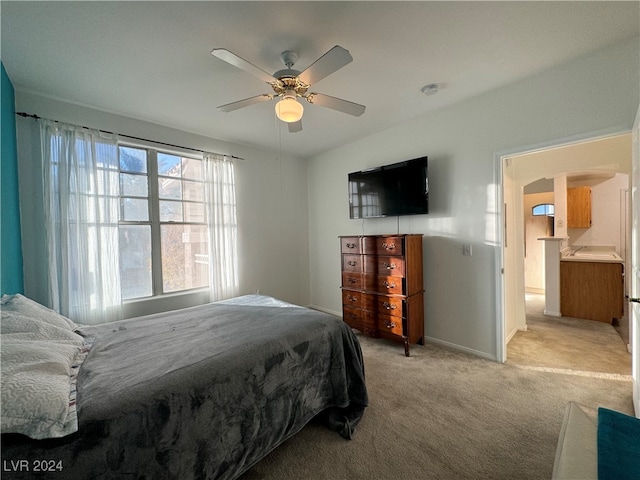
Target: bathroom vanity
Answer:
[[591, 283]]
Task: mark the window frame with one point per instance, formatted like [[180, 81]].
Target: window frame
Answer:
[[548, 210], [153, 204]]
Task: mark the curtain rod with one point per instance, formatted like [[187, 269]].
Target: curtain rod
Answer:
[[37, 117]]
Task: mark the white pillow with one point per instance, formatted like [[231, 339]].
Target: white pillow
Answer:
[[37, 389], [40, 358], [20, 304], [23, 327]]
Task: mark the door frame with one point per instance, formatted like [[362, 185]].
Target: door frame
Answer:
[[634, 287], [506, 200]]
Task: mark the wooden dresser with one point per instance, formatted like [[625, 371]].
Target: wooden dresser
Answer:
[[382, 286]]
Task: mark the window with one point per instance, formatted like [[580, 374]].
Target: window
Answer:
[[544, 209], [163, 229]]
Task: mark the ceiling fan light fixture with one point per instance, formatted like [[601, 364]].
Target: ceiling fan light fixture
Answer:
[[289, 109]]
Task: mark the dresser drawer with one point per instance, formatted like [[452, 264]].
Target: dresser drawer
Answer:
[[352, 263], [383, 304], [384, 284], [358, 319], [389, 246], [352, 298], [369, 245], [385, 324], [352, 317], [352, 280], [389, 324], [390, 266], [350, 245]]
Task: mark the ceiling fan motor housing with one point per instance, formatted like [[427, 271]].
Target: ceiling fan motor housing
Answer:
[[289, 84], [285, 84]]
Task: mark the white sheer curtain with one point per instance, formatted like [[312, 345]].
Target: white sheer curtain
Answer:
[[81, 193], [223, 226]]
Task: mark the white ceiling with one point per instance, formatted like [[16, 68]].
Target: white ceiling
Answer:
[[151, 60]]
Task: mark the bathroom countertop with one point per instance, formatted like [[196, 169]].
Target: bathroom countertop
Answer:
[[590, 253]]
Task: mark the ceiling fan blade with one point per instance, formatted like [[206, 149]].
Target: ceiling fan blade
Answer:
[[230, 107], [331, 61], [236, 61], [334, 103], [295, 127]]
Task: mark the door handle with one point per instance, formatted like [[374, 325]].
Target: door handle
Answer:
[[636, 300]]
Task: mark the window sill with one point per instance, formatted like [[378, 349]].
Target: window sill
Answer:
[[164, 303]]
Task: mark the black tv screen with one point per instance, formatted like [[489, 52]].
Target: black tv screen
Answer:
[[391, 190]]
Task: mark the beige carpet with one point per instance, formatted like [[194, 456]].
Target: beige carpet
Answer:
[[442, 414], [569, 343]]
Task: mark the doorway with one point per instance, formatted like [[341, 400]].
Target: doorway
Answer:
[[606, 155], [539, 213]]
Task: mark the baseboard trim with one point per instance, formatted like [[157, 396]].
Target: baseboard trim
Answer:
[[460, 348], [552, 313], [453, 346], [325, 310], [536, 291], [511, 335]]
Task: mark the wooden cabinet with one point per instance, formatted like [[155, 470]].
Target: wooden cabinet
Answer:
[[382, 286], [592, 290], [579, 207]]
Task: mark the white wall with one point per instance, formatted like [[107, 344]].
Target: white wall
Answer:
[[597, 93], [271, 194]]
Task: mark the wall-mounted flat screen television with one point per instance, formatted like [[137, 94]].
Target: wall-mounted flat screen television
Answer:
[[391, 190]]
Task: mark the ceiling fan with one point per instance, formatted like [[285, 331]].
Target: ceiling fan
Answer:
[[289, 84]]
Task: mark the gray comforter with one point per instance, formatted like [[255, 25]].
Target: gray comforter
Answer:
[[202, 393]]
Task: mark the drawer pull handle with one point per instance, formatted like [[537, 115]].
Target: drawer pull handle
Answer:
[[389, 266], [389, 324], [389, 246], [389, 284], [351, 245], [351, 298], [352, 280], [389, 306], [352, 263]]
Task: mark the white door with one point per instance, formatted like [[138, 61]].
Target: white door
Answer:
[[634, 293]]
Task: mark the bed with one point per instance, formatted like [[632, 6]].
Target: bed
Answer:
[[597, 444], [204, 392]]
